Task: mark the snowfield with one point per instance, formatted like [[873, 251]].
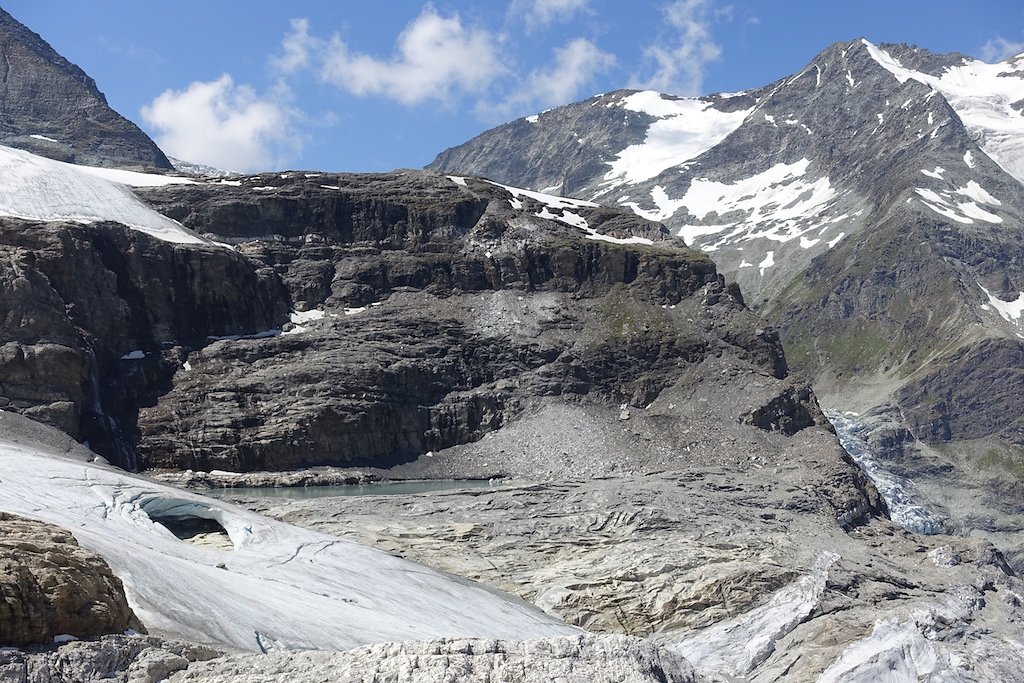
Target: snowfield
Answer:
[[778, 204], [685, 128], [281, 586], [37, 188]]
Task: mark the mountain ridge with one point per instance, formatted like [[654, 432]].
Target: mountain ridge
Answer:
[[818, 159]]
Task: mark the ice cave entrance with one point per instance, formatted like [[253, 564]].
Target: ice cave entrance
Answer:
[[189, 521]]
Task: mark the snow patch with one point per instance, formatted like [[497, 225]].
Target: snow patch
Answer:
[[559, 209], [777, 204], [977, 193], [458, 180], [768, 262], [299, 317], [685, 129], [1009, 310], [835, 241], [937, 173], [943, 204], [969, 159], [533, 119], [37, 136]]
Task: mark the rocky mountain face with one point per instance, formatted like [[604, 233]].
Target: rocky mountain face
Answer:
[[50, 107], [431, 311], [79, 301], [365, 319], [868, 204]]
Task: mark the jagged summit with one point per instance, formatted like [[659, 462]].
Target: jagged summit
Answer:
[[51, 107]]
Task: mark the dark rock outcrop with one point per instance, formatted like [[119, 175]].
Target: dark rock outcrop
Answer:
[[50, 586], [50, 107], [975, 395], [76, 300], [448, 307]]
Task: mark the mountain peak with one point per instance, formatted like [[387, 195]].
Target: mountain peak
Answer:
[[52, 108]]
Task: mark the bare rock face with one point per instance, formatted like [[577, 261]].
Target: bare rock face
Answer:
[[111, 659], [50, 107], [445, 307], [51, 586], [594, 659], [74, 300]]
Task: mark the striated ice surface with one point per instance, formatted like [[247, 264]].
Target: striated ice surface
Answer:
[[36, 188], [906, 506], [282, 585]]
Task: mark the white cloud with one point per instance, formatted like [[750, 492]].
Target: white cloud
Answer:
[[679, 65], [540, 13], [296, 47], [999, 48], [224, 125], [436, 56], [574, 66]]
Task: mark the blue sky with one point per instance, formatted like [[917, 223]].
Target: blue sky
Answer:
[[372, 86]]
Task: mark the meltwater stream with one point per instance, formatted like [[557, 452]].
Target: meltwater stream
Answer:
[[900, 494]]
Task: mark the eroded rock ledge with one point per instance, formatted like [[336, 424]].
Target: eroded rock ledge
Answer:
[[50, 586]]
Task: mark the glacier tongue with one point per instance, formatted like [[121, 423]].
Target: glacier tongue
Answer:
[[738, 646], [900, 494], [281, 584], [36, 188]]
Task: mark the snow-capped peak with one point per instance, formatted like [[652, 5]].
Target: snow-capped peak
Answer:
[[983, 96]]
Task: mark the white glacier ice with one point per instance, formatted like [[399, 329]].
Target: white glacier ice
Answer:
[[281, 584], [37, 188], [737, 646]]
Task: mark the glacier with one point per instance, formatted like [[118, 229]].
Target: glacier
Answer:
[[36, 188], [281, 585]]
